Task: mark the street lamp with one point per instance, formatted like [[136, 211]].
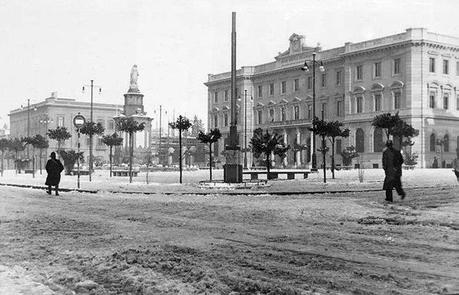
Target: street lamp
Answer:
[[160, 123], [91, 120], [28, 123], [306, 68]]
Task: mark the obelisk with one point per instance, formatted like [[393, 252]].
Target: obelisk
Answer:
[[232, 170]]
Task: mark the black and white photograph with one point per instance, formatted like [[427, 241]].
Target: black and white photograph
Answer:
[[234, 147]]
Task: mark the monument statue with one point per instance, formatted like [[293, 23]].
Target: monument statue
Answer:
[[134, 75]]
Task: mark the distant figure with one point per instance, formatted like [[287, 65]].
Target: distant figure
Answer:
[[134, 76], [392, 164], [435, 163], [456, 167], [54, 168]]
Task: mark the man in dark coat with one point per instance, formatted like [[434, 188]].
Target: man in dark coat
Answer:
[[392, 164], [54, 168]]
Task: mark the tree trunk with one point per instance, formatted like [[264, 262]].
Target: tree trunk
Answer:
[[111, 156], [210, 160], [324, 159], [131, 155], [333, 158], [41, 152], [33, 162], [16, 162], [180, 154], [268, 165]]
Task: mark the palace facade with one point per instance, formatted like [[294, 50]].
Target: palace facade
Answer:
[[414, 73]]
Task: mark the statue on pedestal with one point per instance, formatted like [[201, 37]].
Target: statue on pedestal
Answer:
[[134, 76]]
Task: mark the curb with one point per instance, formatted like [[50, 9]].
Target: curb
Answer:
[[231, 193]]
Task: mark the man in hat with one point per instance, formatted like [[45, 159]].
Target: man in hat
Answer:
[[54, 168], [392, 164]]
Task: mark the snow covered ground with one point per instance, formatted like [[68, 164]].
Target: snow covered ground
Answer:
[[168, 181]]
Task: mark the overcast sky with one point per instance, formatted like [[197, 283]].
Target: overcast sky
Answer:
[[48, 46]]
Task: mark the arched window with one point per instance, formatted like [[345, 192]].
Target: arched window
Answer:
[[432, 142], [446, 143], [359, 141], [378, 142]]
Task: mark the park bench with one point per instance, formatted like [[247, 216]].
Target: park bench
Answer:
[[28, 171], [275, 173], [408, 167], [124, 173], [82, 172]]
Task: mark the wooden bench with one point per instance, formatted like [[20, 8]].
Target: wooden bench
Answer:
[[82, 172], [28, 171], [124, 173], [275, 173]]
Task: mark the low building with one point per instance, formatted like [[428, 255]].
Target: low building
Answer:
[[55, 112]]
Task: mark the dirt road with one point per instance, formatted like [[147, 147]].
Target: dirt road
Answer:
[[218, 244]]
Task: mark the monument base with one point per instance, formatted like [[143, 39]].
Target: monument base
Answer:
[[232, 173]]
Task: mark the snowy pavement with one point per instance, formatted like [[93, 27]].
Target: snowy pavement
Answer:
[[167, 182]]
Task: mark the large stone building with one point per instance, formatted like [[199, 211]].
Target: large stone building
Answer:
[[55, 111], [415, 73]]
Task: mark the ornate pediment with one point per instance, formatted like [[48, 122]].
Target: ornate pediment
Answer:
[[397, 84]]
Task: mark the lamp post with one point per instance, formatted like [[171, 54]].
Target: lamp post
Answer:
[[91, 120], [245, 129], [28, 125], [305, 68], [160, 131]]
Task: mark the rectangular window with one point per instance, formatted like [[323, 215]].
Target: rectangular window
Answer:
[[339, 108], [324, 110], [396, 66], [111, 124], [324, 80], [284, 86], [260, 117], [309, 112], [260, 91], [226, 120], [377, 102], [359, 102], [338, 146], [60, 121], [309, 82], [397, 96], [359, 72], [271, 115], [432, 100], [226, 95], [432, 64], [296, 111], [377, 70], [283, 114], [338, 78], [296, 84], [215, 121], [446, 66], [445, 101], [271, 89], [215, 96]]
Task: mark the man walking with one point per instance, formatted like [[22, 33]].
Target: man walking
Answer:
[[392, 164], [456, 167], [54, 168]]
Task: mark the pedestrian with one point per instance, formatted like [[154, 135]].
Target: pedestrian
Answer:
[[54, 168], [392, 164], [456, 167]]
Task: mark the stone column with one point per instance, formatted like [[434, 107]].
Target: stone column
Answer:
[[298, 153], [286, 143]]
